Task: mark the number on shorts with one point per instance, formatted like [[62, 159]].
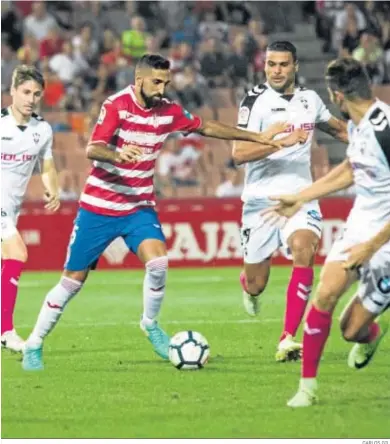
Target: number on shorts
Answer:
[[246, 233]]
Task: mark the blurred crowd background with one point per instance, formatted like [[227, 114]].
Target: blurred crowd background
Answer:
[[88, 50]]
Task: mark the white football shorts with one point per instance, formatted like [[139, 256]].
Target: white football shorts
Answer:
[[259, 241], [374, 276], [8, 225]]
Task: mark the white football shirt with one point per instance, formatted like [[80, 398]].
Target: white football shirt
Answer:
[[369, 154], [23, 147], [288, 170]]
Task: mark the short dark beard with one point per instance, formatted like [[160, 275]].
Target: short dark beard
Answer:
[[149, 102]]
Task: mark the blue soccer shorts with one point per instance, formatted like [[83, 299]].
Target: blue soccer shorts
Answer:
[[92, 234]]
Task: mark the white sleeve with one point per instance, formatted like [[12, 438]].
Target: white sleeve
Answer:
[[249, 116], [46, 150], [322, 112]]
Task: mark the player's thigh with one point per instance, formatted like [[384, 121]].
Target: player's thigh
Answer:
[[374, 282], [91, 235], [302, 233], [334, 282], [12, 244], [144, 236]]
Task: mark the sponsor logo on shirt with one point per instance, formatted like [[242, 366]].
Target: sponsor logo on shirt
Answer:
[[36, 137], [305, 126], [17, 158]]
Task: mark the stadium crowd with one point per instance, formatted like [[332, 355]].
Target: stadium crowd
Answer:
[[87, 50]]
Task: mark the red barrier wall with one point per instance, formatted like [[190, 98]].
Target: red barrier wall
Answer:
[[199, 232]]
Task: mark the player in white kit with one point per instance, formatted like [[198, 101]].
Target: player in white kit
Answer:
[[26, 147], [363, 251], [280, 100]]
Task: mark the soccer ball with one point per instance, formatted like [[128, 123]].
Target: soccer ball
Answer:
[[188, 350]]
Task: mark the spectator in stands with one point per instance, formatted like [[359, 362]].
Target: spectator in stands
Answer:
[[54, 88], [191, 88], [255, 30], [239, 65], [66, 65], [370, 54], [39, 22], [10, 25], [90, 12], [211, 28], [233, 185], [134, 39], [28, 53], [258, 61], [178, 166], [326, 12], [67, 188], [51, 44], [84, 44], [351, 39], [350, 12], [8, 63], [213, 64], [181, 56]]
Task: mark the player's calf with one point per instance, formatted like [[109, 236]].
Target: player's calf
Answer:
[[14, 256], [153, 292], [52, 309]]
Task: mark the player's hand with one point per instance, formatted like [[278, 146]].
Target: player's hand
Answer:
[[358, 255], [130, 153], [297, 136], [53, 202], [287, 205], [275, 129]]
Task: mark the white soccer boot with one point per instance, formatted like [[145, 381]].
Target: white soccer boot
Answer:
[[288, 350], [306, 395], [251, 303], [12, 341], [361, 354]]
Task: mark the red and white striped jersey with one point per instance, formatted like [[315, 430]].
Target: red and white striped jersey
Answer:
[[122, 188]]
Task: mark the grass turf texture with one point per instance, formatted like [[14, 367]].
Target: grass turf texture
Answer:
[[102, 379]]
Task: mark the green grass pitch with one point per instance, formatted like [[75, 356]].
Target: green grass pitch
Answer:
[[102, 379]]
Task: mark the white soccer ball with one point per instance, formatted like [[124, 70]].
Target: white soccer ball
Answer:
[[188, 350]]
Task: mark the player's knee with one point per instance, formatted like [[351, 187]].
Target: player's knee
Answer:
[[326, 297], [156, 270], [14, 248], [256, 285], [79, 276], [349, 333], [303, 252]]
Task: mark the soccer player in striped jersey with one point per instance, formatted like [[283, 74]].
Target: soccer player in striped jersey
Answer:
[[118, 197], [26, 147]]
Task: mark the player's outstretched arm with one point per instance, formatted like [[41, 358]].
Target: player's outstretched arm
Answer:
[[50, 182], [218, 130], [248, 151], [336, 128]]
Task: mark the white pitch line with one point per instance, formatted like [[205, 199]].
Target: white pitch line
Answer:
[[173, 322], [194, 279]]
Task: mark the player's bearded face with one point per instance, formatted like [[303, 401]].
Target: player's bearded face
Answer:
[[151, 100], [338, 99]]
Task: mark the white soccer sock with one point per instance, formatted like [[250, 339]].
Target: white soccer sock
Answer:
[[52, 308], [154, 288]]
